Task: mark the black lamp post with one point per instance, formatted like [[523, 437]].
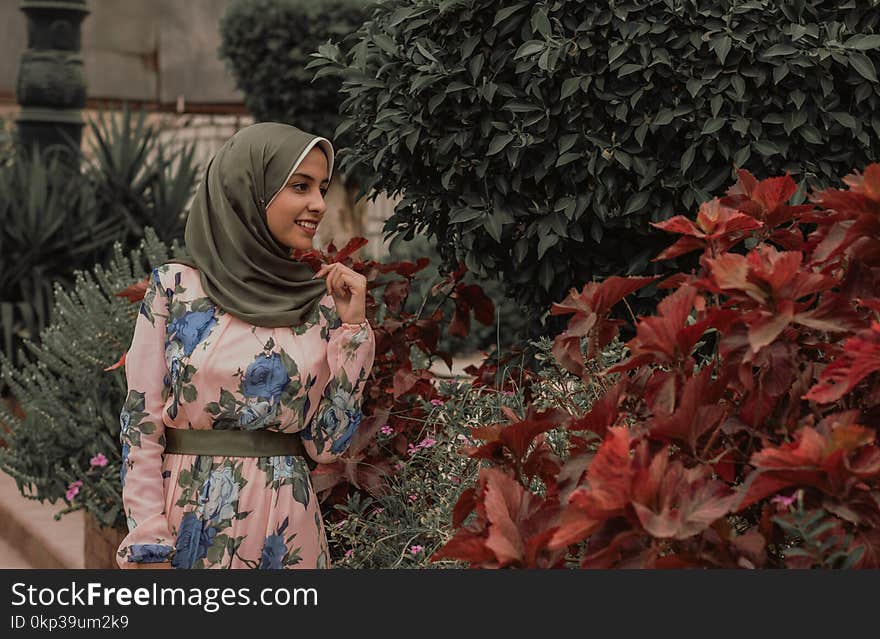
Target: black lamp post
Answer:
[[51, 82]]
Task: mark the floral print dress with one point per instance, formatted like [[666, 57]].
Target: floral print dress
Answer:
[[193, 365]]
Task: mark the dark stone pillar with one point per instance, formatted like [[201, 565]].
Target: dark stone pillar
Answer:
[[51, 82]]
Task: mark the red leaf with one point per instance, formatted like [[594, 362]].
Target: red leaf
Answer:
[[482, 306], [135, 292], [686, 502], [503, 500], [466, 546], [119, 362], [519, 435], [860, 358], [603, 413], [464, 506], [353, 245], [395, 294]]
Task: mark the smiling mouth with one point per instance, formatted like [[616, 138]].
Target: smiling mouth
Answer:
[[311, 226]]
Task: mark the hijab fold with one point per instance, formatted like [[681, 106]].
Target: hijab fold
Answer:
[[243, 269]]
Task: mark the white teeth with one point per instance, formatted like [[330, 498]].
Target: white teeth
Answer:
[[308, 225]]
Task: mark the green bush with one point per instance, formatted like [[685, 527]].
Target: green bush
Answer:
[[536, 141], [59, 214], [266, 45], [71, 403]]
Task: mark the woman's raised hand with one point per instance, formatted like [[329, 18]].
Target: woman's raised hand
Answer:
[[349, 291]]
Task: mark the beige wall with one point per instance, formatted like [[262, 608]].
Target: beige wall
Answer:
[[151, 50]]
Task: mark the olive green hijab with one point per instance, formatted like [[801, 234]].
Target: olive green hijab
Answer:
[[244, 270]]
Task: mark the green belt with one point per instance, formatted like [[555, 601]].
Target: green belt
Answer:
[[234, 443]]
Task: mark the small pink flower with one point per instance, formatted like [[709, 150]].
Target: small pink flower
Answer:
[[415, 550], [397, 466], [785, 501], [411, 449], [98, 460], [427, 442], [73, 489], [437, 402], [412, 497], [349, 552], [508, 393], [386, 430]]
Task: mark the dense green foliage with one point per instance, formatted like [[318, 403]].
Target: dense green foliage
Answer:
[[59, 214], [266, 45], [70, 401], [536, 141]]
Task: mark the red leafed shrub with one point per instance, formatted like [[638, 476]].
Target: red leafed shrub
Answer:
[[741, 428]]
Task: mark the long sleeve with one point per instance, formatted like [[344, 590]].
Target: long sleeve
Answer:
[[351, 349], [142, 434]]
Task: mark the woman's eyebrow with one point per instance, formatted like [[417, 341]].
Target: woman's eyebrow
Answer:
[[309, 177]]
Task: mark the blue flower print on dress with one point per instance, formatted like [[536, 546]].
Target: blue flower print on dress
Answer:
[[192, 328], [341, 419], [194, 538], [186, 551], [149, 553], [273, 553], [124, 469], [266, 377], [254, 416], [219, 495], [282, 467]]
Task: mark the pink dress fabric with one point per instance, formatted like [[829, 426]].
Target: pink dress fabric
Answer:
[[192, 365]]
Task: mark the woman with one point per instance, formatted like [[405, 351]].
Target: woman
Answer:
[[246, 368]]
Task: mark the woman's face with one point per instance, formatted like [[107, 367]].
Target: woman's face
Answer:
[[300, 201]]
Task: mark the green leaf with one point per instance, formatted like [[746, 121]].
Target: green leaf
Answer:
[[425, 52], [663, 117], [545, 241], [499, 142], [385, 43], [721, 47], [742, 156], [569, 87], [506, 12], [863, 42], [739, 86], [687, 158], [765, 148], [845, 119], [459, 216], [712, 125], [565, 158], [637, 202], [627, 69], [863, 65], [779, 50], [780, 72], [541, 23], [616, 51], [529, 48]]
